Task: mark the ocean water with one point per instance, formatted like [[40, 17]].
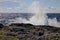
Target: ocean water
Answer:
[[54, 15], [53, 19]]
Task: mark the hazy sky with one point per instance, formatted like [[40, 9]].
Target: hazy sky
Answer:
[[24, 5]]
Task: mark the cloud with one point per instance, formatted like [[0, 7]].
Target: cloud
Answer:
[[53, 9], [8, 0], [18, 9], [10, 10], [3, 0]]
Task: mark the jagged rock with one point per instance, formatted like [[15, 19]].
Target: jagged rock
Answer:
[[20, 24], [1, 25], [41, 33], [10, 34], [30, 32]]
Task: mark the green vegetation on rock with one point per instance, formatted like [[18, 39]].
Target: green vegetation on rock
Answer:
[[12, 38], [53, 36], [1, 33]]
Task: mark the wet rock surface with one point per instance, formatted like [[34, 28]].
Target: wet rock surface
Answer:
[[31, 32]]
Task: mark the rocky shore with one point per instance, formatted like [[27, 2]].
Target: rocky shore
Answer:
[[29, 32]]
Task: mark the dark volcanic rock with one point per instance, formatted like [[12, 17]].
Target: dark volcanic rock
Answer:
[[22, 24], [10, 34], [41, 33], [30, 32], [1, 25]]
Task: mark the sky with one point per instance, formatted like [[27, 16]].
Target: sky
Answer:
[[38, 7], [24, 6]]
